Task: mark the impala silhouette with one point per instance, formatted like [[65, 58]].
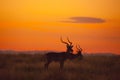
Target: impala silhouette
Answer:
[[61, 57]]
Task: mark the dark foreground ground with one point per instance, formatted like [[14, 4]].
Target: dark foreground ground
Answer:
[[31, 67]]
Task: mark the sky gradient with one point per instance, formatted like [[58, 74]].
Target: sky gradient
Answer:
[[38, 24]]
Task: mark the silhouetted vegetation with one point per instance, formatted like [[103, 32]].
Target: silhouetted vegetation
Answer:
[[31, 67]]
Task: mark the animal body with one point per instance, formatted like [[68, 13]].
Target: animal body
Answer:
[[61, 57]]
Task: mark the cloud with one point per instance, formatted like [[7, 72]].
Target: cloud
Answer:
[[84, 20]]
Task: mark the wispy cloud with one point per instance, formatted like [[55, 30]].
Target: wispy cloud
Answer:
[[84, 20]]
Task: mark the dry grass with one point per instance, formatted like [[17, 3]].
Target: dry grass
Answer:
[[31, 67]]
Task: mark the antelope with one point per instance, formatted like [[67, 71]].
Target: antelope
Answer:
[[61, 57]]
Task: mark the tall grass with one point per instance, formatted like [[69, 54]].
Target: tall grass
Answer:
[[31, 67]]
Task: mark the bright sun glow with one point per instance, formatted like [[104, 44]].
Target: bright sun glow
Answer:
[[38, 24]]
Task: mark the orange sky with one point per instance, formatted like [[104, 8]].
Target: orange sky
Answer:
[[38, 24]]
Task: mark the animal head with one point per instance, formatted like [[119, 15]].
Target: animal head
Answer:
[[68, 45], [79, 50]]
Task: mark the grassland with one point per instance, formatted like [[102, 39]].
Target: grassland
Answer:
[[31, 67]]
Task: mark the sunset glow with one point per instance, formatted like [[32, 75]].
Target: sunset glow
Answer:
[[38, 25]]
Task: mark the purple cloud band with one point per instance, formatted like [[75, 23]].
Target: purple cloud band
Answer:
[[84, 20]]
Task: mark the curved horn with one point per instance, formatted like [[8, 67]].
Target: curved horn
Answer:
[[69, 41], [77, 47], [63, 41], [80, 48]]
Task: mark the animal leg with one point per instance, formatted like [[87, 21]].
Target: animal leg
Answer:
[[46, 65], [61, 65]]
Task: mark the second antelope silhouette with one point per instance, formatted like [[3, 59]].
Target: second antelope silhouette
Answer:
[[61, 57]]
